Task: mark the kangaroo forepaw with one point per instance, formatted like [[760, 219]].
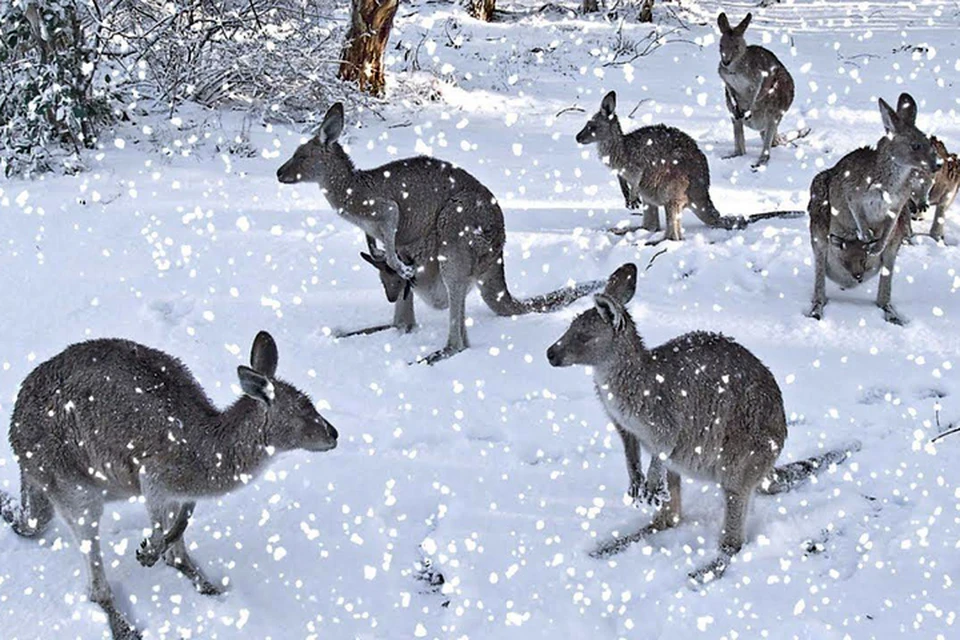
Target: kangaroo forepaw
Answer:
[[657, 495], [148, 554], [635, 494]]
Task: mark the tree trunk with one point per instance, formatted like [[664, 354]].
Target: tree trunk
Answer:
[[646, 11], [482, 9], [591, 6], [362, 55]]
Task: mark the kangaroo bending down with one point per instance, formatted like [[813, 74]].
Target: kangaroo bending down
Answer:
[[942, 189], [858, 212], [758, 88], [110, 419], [702, 405], [660, 166], [446, 224]]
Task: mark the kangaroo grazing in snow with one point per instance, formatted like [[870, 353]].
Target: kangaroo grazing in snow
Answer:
[[858, 208], [660, 166], [110, 419], [758, 88], [702, 405], [941, 191], [445, 223]]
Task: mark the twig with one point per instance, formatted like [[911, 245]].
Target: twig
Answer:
[[654, 257], [569, 109]]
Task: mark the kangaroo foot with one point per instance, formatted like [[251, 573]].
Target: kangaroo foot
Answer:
[[120, 629], [622, 231], [711, 571], [892, 316], [731, 156], [149, 552], [437, 356], [816, 311]]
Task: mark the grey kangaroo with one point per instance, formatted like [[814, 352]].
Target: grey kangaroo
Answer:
[[858, 212], [660, 166], [702, 405], [758, 88], [941, 189], [110, 419], [446, 224]]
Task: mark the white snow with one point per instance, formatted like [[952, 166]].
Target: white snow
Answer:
[[500, 470]]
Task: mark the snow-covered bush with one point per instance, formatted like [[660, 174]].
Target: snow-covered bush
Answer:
[[50, 108]]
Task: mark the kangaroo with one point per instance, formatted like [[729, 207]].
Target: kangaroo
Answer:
[[703, 405], [110, 419], [857, 208], [941, 189], [441, 218], [660, 166], [758, 88]]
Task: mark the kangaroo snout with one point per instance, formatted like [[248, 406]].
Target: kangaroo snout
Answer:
[[554, 357], [284, 176]]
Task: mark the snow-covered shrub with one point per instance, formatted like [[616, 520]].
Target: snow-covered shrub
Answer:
[[49, 106]]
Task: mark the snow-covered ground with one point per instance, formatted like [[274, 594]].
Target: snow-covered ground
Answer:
[[499, 470]]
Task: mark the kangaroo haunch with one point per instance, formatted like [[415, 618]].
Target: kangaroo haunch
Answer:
[[858, 208], [446, 224], [110, 419], [660, 166], [702, 405], [758, 88]]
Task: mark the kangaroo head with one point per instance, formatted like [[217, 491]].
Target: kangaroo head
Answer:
[[292, 421], [732, 43], [906, 145], [307, 162], [854, 254], [604, 124], [591, 338], [393, 285]]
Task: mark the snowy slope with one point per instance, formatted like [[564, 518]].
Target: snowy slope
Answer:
[[499, 469]]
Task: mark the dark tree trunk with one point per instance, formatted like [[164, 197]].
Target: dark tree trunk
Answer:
[[646, 11], [362, 56], [482, 9], [591, 6]]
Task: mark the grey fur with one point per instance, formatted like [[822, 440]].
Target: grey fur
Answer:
[[858, 212], [660, 166], [758, 88], [110, 419], [439, 217], [702, 405]]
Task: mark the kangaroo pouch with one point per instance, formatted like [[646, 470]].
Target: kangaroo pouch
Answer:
[[839, 272]]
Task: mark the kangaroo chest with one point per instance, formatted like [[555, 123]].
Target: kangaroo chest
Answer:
[[630, 416]]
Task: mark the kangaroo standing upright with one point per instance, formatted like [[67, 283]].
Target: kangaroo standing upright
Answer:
[[660, 166], [701, 404], [942, 189], [109, 419], [858, 212], [447, 225], [758, 88]]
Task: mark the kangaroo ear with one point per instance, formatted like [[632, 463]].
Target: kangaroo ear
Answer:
[[256, 385], [742, 27], [610, 310], [907, 109], [264, 355], [332, 125], [724, 24], [609, 104], [622, 283], [891, 121], [369, 258]]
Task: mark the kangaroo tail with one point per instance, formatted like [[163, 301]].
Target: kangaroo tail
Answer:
[[702, 206], [30, 515], [766, 215], [493, 289], [792, 475]]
